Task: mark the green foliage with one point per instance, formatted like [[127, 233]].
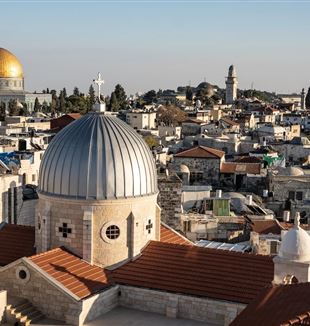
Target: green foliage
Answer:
[[76, 91], [151, 141], [189, 93], [150, 97], [92, 97], [37, 105], [118, 100]]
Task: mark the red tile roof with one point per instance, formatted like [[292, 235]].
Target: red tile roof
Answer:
[[16, 241], [201, 152], [234, 167], [230, 122], [277, 305], [266, 227], [76, 275], [198, 271], [168, 235]]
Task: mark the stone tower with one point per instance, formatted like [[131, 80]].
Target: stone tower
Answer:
[[231, 85], [98, 191], [303, 99]]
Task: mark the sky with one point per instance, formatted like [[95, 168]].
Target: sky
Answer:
[[159, 44]]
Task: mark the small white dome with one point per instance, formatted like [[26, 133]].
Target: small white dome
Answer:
[[295, 244], [184, 168]]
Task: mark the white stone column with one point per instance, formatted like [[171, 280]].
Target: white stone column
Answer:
[[87, 234]]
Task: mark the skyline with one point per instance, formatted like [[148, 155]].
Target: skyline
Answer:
[[154, 45]]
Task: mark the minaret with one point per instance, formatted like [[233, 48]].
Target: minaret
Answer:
[[303, 99], [231, 85]]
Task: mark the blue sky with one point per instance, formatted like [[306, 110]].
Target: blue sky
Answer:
[[152, 45]]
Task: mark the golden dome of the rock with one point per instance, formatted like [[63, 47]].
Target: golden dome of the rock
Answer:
[[10, 67]]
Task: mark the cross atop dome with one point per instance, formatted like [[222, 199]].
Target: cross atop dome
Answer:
[[99, 106], [99, 82]]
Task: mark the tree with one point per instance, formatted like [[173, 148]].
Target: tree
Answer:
[[62, 102], [64, 91], [37, 105], [92, 97], [76, 91], [13, 108], [120, 96], [189, 93], [171, 115], [114, 104], [150, 97], [2, 111], [151, 141], [308, 99]]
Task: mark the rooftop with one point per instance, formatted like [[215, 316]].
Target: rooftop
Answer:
[[16, 241], [201, 152], [76, 275], [277, 305], [192, 270]]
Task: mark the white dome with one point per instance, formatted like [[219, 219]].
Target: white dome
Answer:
[[98, 157], [295, 244]]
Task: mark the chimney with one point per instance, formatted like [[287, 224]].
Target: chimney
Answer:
[[286, 216], [218, 193]]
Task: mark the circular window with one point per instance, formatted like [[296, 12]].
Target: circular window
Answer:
[[112, 232], [22, 274]]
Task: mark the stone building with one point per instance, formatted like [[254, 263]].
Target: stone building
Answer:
[[204, 164]]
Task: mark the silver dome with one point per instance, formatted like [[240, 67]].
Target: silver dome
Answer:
[[98, 157]]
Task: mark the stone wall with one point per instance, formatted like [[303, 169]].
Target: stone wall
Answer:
[[212, 311], [138, 220], [210, 168], [169, 199], [52, 302], [99, 304]]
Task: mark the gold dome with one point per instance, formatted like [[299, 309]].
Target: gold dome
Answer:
[[10, 67]]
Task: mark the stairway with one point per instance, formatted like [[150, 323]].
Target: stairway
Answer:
[[23, 312]]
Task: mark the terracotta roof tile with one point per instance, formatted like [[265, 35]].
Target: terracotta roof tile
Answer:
[[16, 241], [230, 122], [168, 235], [198, 271], [232, 167], [277, 305], [201, 152], [267, 226], [79, 277]]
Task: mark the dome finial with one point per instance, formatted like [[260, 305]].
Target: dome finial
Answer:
[[99, 107], [297, 220]]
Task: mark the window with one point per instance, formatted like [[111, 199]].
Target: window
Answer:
[[291, 195], [22, 274], [149, 226], [33, 177], [65, 230], [299, 195], [187, 226], [112, 232], [274, 247]]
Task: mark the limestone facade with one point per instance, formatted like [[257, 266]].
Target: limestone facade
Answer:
[[208, 169], [82, 226]]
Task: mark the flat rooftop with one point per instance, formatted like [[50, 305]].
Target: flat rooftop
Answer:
[[121, 316]]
